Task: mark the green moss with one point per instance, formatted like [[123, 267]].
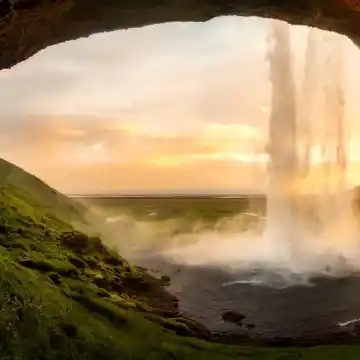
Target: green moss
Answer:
[[126, 302], [50, 308], [170, 324], [104, 308], [58, 266], [78, 263]]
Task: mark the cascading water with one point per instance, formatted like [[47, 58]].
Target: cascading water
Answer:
[[307, 103], [281, 200], [293, 137], [340, 227], [310, 229]]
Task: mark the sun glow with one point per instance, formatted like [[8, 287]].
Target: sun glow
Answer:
[[218, 156], [98, 146]]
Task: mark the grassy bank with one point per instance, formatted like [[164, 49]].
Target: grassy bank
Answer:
[[64, 295]]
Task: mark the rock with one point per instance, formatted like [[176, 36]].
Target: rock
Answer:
[[73, 273], [233, 317], [36, 265], [91, 262], [80, 264], [102, 283], [110, 284], [171, 325], [80, 243], [137, 283], [250, 326], [165, 313], [103, 293], [21, 231], [74, 240], [48, 232], [165, 280], [69, 330], [117, 285], [197, 328], [55, 278], [114, 260]]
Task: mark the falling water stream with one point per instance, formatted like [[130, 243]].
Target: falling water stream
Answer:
[[281, 204], [293, 137]]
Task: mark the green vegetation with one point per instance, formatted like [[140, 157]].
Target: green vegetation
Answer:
[[150, 222], [64, 295], [205, 209]]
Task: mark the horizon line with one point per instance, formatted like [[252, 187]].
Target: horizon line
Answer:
[[167, 194]]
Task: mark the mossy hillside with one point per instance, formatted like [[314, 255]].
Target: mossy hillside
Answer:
[[64, 295], [43, 197], [39, 322], [47, 244]]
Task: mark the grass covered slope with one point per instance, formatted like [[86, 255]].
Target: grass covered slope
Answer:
[[64, 295], [43, 197]]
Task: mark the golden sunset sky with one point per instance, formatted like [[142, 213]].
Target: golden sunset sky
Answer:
[[172, 107]]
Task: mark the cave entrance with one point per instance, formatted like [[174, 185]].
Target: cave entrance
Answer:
[[159, 103]]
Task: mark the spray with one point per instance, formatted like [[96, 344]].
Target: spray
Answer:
[[283, 165]]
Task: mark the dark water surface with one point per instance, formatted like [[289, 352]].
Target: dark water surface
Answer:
[[293, 311]]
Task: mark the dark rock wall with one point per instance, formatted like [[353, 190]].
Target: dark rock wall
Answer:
[[27, 26]]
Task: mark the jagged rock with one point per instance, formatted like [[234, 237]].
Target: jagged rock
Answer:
[[114, 260], [91, 262], [55, 278], [36, 265], [80, 264], [110, 284], [80, 243], [71, 19], [103, 293], [117, 285]]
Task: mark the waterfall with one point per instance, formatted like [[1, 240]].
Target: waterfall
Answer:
[[283, 164], [294, 133]]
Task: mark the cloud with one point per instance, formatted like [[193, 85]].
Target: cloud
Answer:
[[52, 145], [122, 178], [147, 108], [166, 63]]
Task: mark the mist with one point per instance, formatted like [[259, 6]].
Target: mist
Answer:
[[310, 229]]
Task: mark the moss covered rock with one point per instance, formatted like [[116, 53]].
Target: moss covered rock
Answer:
[[234, 317]]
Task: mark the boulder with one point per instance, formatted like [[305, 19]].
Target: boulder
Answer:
[[234, 317]]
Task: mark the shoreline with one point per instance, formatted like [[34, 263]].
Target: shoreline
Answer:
[[349, 337]]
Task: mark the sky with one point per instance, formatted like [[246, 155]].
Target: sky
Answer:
[[176, 107]]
